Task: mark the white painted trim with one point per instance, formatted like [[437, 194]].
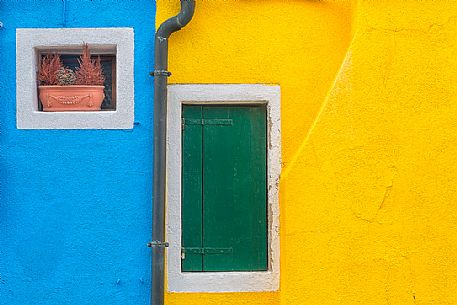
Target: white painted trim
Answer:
[[221, 94], [119, 41]]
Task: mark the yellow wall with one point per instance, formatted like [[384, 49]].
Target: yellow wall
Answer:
[[369, 128]]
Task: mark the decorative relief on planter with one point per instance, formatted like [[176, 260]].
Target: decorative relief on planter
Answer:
[[71, 98]]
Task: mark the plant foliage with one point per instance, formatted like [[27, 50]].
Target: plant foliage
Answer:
[[49, 66], [90, 71], [52, 71], [65, 77]]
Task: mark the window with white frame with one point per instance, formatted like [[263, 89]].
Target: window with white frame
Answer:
[[114, 47], [223, 166]]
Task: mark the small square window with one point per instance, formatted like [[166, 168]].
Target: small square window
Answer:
[[115, 46]]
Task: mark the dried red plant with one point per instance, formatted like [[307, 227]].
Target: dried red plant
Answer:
[[90, 71], [50, 64]]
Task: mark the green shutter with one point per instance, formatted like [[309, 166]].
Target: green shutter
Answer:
[[231, 212], [191, 209]]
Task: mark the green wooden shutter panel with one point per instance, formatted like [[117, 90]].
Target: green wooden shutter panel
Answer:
[[224, 214], [192, 205]]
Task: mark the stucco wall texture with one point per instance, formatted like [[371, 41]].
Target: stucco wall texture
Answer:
[[297, 44], [75, 206], [369, 116]]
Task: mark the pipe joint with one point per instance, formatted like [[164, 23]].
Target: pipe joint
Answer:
[[179, 21], [160, 73], [158, 244]]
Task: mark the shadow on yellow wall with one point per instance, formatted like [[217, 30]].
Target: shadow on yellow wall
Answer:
[[368, 201]]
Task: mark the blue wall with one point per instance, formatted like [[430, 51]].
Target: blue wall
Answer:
[[75, 208]]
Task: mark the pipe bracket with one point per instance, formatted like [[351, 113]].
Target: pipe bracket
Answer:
[[159, 244], [160, 73]]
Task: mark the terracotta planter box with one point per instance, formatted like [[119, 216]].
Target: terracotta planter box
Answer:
[[71, 98]]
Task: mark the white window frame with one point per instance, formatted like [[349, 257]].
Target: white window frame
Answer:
[[118, 41], [218, 94]]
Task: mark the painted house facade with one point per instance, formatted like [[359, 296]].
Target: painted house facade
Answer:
[[76, 203], [310, 154]]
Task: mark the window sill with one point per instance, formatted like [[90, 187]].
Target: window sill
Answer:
[[223, 281]]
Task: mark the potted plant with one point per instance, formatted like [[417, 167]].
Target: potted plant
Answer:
[[62, 89]]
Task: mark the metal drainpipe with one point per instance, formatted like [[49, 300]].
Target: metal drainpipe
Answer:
[[158, 243]]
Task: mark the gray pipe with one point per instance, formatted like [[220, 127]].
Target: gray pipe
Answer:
[[161, 73]]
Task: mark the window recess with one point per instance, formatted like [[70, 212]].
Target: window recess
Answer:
[[108, 61]]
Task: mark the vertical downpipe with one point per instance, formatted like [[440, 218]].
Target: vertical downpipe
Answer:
[[160, 74]]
